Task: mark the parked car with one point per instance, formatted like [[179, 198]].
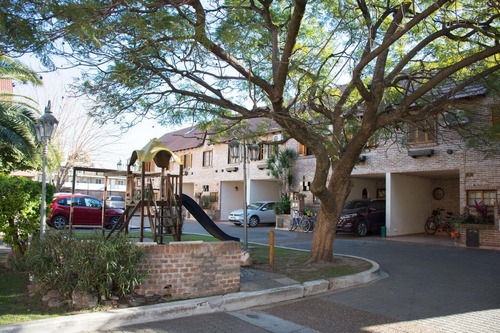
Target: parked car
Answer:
[[87, 212], [115, 201], [362, 216], [257, 212]]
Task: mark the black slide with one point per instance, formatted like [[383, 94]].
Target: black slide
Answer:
[[205, 221]]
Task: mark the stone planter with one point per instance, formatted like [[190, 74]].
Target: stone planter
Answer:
[[283, 221]]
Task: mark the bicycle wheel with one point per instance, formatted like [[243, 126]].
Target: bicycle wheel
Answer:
[[291, 224], [312, 225], [295, 223], [431, 225], [305, 225]]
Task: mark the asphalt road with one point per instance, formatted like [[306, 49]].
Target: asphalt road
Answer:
[[428, 288]]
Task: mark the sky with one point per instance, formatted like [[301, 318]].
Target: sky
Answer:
[[107, 150]]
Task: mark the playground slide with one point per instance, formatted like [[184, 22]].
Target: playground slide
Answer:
[[204, 220]]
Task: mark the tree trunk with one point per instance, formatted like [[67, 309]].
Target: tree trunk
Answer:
[[339, 186]]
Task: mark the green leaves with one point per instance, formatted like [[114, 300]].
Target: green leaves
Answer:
[[20, 200]]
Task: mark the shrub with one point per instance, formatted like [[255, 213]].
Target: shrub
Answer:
[[283, 206], [20, 201], [96, 266]]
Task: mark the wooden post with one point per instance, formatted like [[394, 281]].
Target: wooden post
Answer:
[[143, 192], [271, 250]]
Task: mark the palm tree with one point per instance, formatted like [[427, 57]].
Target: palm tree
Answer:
[[18, 145], [280, 167]]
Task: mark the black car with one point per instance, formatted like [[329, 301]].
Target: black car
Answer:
[[362, 216]]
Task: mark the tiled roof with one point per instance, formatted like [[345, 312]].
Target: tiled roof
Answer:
[[191, 137], [185, 138]]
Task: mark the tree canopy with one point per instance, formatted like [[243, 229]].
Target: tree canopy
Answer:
[[331, 74]]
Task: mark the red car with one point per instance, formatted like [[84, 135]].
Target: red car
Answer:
[[87, 212]]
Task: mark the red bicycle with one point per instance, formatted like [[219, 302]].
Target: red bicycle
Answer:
[[436, 222]]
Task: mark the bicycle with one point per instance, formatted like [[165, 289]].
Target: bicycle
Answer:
[[310, 225], [298, 222], [436, 222]]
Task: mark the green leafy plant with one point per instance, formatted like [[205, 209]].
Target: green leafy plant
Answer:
[[20, 200], [282, 207], [96, 266]]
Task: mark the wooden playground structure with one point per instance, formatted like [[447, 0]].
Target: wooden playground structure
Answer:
[[155, 195]]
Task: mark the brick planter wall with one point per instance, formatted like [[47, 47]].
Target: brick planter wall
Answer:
[[283, 221], [191, 269], [489, 235]]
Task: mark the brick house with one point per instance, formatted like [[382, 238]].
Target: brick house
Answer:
[[434, 169]]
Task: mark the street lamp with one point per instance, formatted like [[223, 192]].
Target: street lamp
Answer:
[[45, 130], [119, 165], [234, 151]]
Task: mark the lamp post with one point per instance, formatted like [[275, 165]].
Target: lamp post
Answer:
[[119, 165], [45, 130], [234, 150]]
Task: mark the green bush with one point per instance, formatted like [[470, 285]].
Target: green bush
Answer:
[[283, 206], [20, 201], [96, 266]]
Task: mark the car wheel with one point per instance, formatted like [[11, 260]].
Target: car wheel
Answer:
[[253, 221], [59, 222], [113, 221], [362, 228]]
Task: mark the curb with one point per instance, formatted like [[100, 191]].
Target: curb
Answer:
[[106, 320]]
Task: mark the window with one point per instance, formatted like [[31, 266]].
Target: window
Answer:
[[207, 158], [272, 150], [91, 202], [98, 181], [488, 197], [187, 161], [423, 132], [304, 151], [120, 182]]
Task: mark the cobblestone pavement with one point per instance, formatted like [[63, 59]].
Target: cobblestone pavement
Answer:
[[429, 288]]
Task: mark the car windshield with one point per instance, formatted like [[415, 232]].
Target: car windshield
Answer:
[[255, 205], [356, 205]]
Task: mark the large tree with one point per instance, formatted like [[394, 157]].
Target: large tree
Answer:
[[332, 74]]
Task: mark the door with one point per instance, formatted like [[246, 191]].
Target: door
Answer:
[[93, 212], [79, 210], [268, 213]]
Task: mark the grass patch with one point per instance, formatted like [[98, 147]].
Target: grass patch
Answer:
[[15, 303], [293, 264]]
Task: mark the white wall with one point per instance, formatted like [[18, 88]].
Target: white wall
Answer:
[[357, 190], [408, 204], [188, 189], [231, 198], [261, 190]]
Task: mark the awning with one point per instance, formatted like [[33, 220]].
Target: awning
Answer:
[[155, 151]]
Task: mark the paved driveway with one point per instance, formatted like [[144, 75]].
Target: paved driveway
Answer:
[[427, 288]]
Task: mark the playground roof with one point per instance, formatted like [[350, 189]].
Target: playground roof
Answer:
[[155, 151]]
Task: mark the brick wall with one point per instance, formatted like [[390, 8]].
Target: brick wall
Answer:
[[191, 269], [489, 235]]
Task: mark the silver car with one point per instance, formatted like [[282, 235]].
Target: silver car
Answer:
[[115, 201], [257, 212]]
